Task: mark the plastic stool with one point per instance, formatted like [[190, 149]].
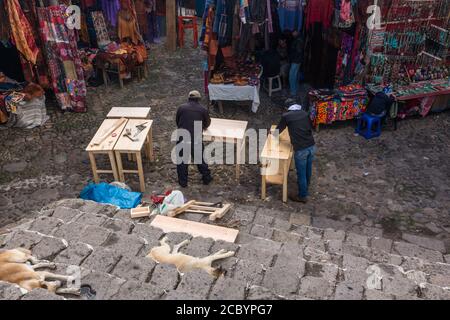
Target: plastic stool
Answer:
[[271, 89], [369, 120], [187, 22]]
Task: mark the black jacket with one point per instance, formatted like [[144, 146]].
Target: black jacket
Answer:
[[190, 112], [381, 102], [300, 129]]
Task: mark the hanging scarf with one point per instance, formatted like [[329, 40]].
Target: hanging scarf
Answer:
[[21, 31]]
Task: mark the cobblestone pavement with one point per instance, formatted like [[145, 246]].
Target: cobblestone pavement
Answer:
[[274, 259], [396, 186]]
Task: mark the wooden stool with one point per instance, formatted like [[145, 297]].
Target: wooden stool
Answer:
[[126, 145], [276, 160], [187, 22], [103, 142]]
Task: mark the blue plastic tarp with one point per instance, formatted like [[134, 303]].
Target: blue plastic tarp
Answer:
[[106, 193]]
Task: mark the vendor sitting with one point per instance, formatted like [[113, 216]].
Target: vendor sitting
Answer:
[[381, 103], [270, 61]]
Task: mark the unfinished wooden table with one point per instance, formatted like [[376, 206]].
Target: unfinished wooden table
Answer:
[[230, 131], [276, 160], [103, 142], [125, 145], [129, 112]]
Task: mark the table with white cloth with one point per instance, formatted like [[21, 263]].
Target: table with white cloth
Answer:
[[230, 92]]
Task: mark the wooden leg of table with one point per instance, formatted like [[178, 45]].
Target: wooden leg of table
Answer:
[[238, 158], [120, 166], [105, 77], [120, 82], [285, 180], [112, 160], [263, 187], [150, 145], [94, 167], [220, 106], [140, 171]]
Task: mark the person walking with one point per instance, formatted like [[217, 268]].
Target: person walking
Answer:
[[300, 132], [189, 116]]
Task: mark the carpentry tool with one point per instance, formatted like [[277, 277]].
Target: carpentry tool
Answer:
[[140, 128], [128, 135]]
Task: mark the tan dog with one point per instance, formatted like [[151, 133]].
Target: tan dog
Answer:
[[184, 262], [15, 269]]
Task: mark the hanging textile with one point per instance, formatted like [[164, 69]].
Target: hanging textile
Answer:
[[127, 24], [319, 11], [142, 6], [101, 32], [223, 21], [290, 13], [21, 31], [64, 64], [344, 62], [110, 8]]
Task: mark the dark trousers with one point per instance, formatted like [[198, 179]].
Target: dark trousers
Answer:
[[182, 168]]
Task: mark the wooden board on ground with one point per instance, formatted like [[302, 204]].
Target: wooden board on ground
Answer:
[[196, 229], [201, 207], [129, 112], [140, 212], [107, 135]]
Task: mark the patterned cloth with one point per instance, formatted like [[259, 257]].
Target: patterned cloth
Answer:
[[21, 31], [64, 64]]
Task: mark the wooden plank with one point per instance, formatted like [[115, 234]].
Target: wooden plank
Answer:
[[109, 140], [129, 112], [220, 213], [274, 149], [225, 129], [171, 37], [124, 144], [196, 229], [177, 211], [140, 212], [106, 132]]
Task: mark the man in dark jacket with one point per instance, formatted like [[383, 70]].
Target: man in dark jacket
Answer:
[[193, 118], [300, 132]]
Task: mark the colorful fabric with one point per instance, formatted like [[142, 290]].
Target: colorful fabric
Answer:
[[21, 31], [319, 11], [290, 13], [101, 32], [64, 65], [110, 8]]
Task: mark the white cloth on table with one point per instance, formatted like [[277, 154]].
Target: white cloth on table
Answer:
[[234, 93]]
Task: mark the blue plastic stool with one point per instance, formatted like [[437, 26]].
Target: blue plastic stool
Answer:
[[370, 120]]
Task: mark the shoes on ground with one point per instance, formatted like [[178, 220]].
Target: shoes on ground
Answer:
[[298, 199]]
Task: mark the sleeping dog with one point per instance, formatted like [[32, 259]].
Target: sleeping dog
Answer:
[[19, 266], [184, 262]]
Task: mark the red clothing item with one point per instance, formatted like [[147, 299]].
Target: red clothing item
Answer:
[[319, 11]]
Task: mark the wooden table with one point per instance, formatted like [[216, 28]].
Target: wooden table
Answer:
[[231, 131], [125, 145], [276, 160], [130, 113], [106, 146]]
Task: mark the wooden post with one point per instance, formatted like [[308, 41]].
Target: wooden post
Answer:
[[171, 39]]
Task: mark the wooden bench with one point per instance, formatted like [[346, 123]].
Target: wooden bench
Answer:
[[129, 112], [276, 161], [103, 142], [125, 145]]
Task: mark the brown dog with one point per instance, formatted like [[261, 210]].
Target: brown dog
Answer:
[[184, 262], [15, 269]]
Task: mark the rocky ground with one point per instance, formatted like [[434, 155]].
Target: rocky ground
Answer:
[[395, 186], [274, 259]]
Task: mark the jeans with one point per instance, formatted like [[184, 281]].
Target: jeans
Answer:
[[303, 163], [293, 78]]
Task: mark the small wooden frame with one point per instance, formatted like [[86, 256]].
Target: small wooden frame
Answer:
[[231, 131], [196, 229], [276, 157], [201, 207], [125, 145], [129, 112], [140, 212], [103, 142]]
